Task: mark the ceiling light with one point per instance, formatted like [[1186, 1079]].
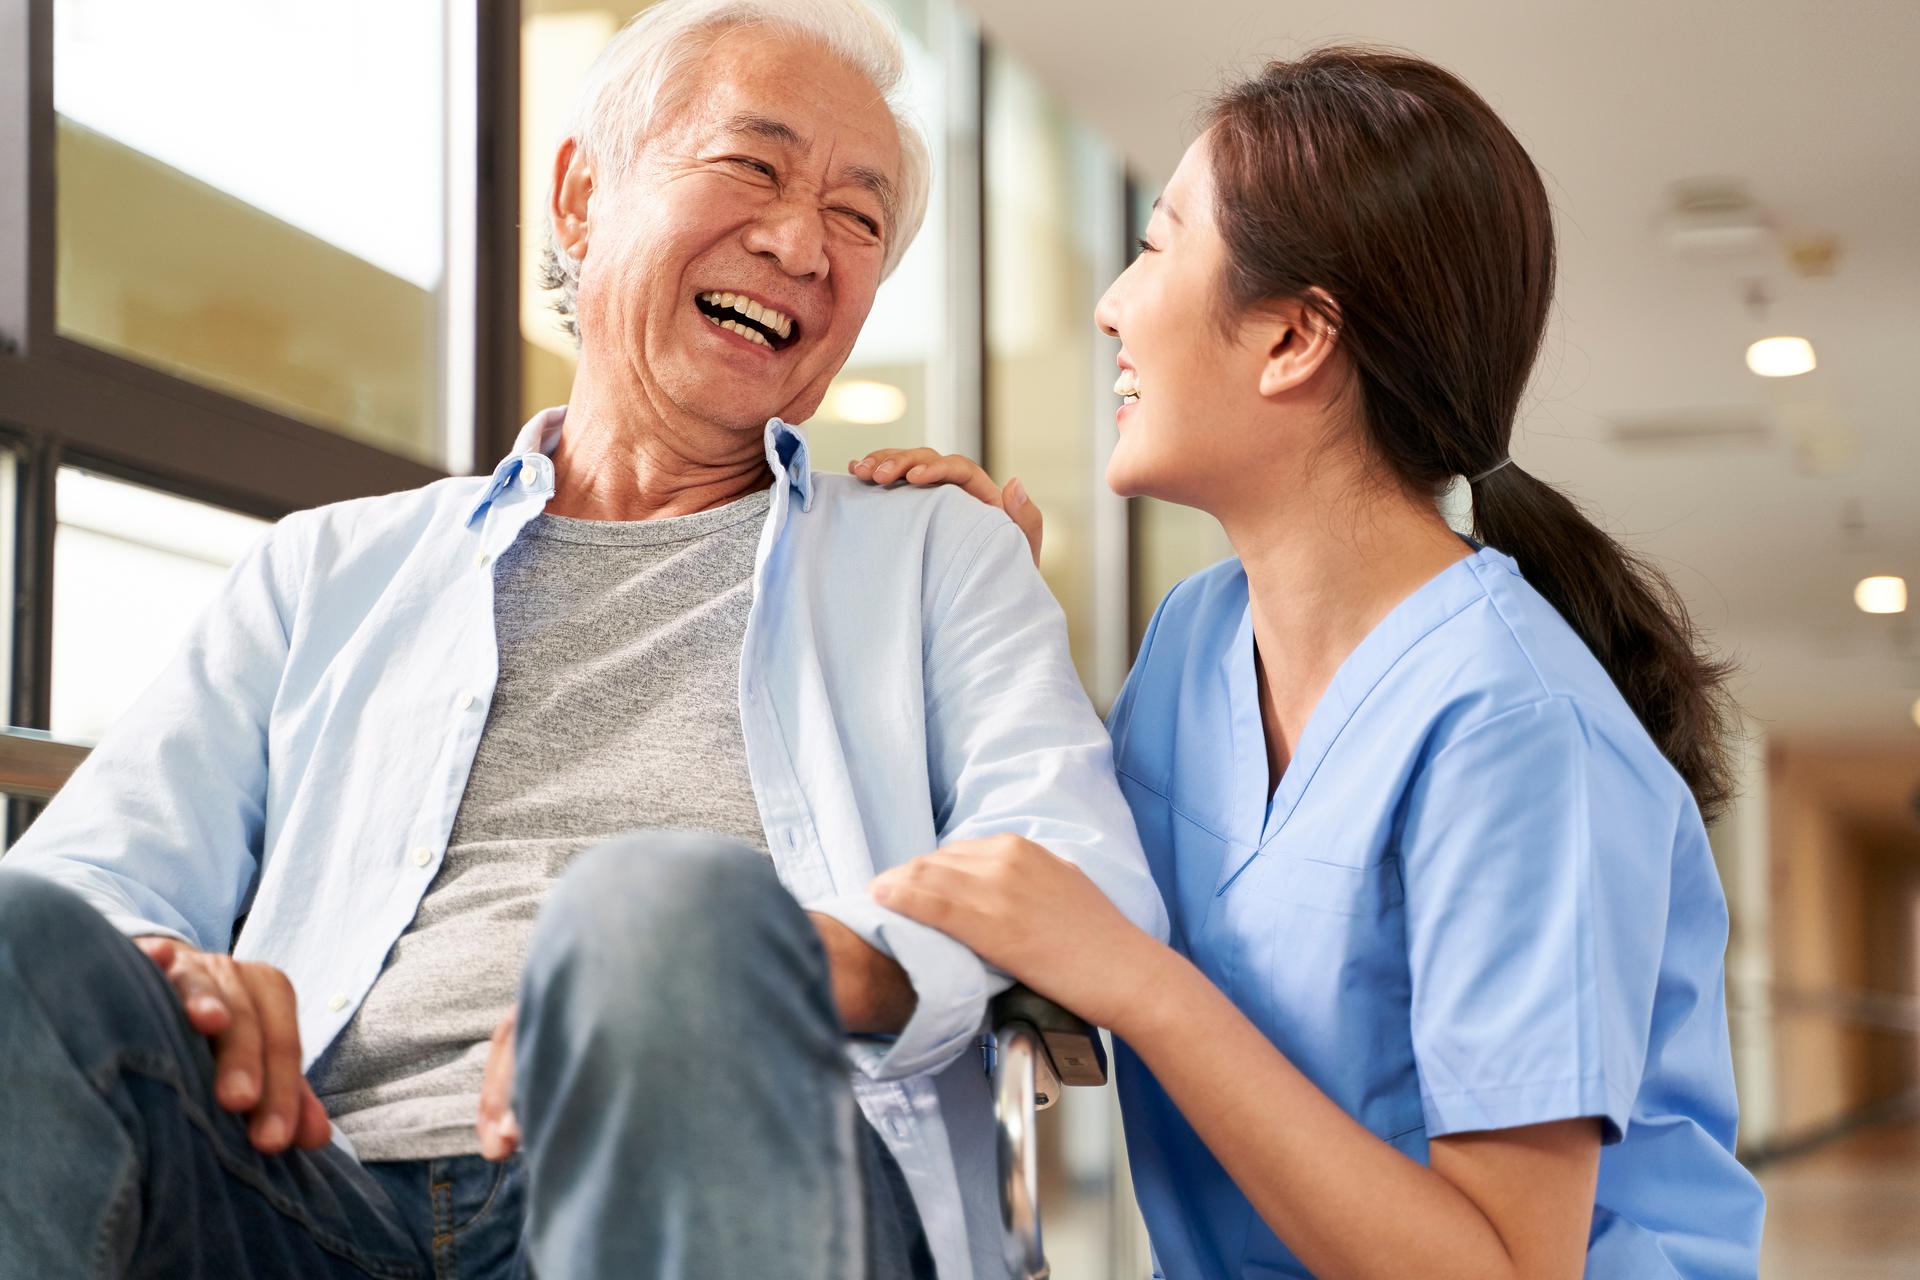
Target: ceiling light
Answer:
[[1780, 357], [870, 404], [1885, 594]]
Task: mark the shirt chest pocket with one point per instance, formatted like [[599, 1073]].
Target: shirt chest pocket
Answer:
[[1330, 886]]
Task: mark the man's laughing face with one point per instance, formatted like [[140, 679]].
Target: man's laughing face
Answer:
[[732, 265]]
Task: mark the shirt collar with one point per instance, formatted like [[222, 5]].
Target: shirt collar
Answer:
[[786, 454]]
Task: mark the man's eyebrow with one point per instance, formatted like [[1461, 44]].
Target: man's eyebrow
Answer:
[[879, 184], [764, 127], [782, 134]]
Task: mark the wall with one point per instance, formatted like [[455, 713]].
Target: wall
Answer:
[[1845, 877]]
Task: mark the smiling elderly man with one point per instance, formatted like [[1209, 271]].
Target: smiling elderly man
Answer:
[[406, 741]]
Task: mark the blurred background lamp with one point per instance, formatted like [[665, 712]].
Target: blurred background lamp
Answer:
[[870, 404], [1916, 712], [1780, 357], [1884, 594]]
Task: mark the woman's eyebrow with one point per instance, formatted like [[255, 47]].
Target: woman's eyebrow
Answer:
[[1161, 202]]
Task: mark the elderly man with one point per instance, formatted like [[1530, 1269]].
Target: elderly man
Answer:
[[394, 765]]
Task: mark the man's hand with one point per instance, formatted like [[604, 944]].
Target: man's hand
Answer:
[[499, 1129], [870, 988], [247, 1010]]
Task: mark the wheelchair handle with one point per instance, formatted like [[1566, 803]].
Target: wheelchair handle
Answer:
[[1038, 1047]]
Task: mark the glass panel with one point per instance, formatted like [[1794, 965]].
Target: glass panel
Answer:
[[1041, 171], [881, 398], [252, 196], [132, 569]]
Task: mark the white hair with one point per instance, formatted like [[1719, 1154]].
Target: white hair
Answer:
[[634, 80]]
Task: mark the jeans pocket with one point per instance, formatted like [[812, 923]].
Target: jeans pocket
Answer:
[[479, 1218], [464, 1190]]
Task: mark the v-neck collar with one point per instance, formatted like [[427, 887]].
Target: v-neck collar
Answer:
[[1258, 817]]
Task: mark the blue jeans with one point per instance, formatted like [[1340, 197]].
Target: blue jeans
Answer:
[[681, 1087]]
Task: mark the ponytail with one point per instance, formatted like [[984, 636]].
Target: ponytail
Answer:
[[1629, 615], [1385, 187]]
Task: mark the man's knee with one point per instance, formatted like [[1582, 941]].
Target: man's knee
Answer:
[[61, 955], [660, 894], [42, 922], [677, 935]]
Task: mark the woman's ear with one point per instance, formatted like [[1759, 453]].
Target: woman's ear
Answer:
[[568, 198], [1298, 340]]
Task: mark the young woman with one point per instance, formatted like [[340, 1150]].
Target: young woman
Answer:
[[1444, 995]]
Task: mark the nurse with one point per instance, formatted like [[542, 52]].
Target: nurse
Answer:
[[1445, 993]]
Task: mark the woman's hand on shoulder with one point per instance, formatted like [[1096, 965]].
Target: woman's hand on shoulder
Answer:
[[924, 468]]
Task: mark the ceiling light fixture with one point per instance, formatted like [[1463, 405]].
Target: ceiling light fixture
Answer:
[[1883, 594], [868, 404], [1781, 357]]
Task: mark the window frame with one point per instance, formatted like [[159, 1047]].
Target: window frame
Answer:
[[65, 403]]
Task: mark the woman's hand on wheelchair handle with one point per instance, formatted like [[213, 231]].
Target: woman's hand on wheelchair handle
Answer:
[[1034, 915]]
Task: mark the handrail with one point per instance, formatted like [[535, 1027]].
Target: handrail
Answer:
[[34, 764], [1894, 1012]]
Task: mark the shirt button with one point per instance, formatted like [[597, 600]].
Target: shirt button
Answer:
[[422, 856], [483, 559], [337, 1002], [465, 701]]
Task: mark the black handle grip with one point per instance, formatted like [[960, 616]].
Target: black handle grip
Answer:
[[1070, 1041]]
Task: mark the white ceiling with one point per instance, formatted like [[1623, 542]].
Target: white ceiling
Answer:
[[1816, 107]]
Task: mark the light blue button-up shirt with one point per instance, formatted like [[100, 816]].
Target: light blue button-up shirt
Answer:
[[1479, 898], [904, 683]]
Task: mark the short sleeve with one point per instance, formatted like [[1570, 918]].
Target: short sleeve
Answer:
[[1537, 872]]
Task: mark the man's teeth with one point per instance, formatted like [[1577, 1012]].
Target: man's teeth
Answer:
[[1127, 385], [779, 322], [751, 335]]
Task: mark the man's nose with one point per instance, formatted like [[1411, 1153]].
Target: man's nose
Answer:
[[793, 233]]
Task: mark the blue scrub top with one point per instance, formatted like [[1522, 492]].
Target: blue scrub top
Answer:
[[1479, 898]]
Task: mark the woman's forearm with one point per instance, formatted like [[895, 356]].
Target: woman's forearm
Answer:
[[1345, 1202]]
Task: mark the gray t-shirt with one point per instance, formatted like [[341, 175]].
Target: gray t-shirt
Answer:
[[617, 708]]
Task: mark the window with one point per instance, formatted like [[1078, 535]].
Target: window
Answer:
[[132, 570], [1054, 240], [254, 197]]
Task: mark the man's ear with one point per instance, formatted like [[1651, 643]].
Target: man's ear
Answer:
[[1297, 341], [568, 198]]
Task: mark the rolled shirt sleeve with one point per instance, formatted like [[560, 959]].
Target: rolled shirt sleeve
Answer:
[[160, 829], [1013, 747], [1537, 872]]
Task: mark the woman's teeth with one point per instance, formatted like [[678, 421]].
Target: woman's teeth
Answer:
[[1127, 386]]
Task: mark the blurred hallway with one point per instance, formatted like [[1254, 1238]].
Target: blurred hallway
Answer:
[[1848, 1211]]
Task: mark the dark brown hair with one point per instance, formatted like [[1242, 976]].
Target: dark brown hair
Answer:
[[1383, 193]]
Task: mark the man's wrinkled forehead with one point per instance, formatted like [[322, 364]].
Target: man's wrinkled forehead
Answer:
[[754, 84]]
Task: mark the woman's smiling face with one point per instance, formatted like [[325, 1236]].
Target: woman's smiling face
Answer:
[[1196, 383]]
